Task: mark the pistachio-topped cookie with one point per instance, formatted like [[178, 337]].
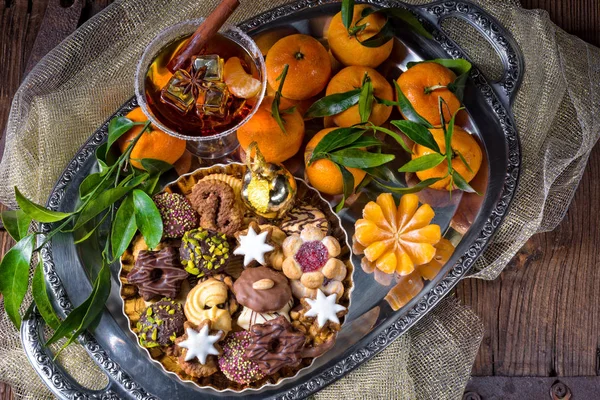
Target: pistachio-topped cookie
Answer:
[[161, 323], [204, 252]]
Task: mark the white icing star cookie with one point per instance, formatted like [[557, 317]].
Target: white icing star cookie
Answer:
[[200, 344], [253, 246], [324, 308]]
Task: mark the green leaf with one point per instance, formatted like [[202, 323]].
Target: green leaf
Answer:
[[337, 138], [462, 184], [37, 212], [40, 296], [394, 136], [385, 34], [397, 19], [136, 181], [448, 131], [407, 109], [276, 101], [100, 203], [123, 228], [458, 86], [85, 314], [16, 223], [147, 218], [383, 173], [87, 235], [14, 277], [90, 183], [406, 190], [106, 157], [458, 65], [365, 100], [347, 12], [355, 158], [417, 133], [116, 128], [333, 104], [151, 185], [423, 163], [348, 182], [462, 158], [155, 166], [364, 141]]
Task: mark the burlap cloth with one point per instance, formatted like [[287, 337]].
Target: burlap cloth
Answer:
[[81, 82]]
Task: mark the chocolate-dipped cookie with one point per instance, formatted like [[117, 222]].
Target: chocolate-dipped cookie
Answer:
[[303, 215], [262, 289], [177, 214], [204, 252], [161, 323], [157, 273]]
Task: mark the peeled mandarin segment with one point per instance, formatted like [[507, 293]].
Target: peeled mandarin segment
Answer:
[[421, 218], [419, 253], [387, 263], [374, 213], [429, 234], [407, 208], [404, 291], [377, 249], [443, 251], [238, 81], [388, 208], [367, 232], [405, 265]]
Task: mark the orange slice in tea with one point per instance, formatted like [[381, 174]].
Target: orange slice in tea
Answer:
[[240, 83]]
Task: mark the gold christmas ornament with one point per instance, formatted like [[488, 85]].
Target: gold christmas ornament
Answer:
[[268, 189]]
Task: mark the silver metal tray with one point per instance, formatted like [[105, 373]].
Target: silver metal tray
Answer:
[[371, 324]]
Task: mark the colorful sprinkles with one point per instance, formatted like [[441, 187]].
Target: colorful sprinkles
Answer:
[[232, 361], [177, 214]]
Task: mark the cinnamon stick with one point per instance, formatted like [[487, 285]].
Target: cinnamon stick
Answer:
[[205, 31]]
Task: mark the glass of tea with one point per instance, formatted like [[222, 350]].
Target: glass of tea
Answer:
[[213, 94]]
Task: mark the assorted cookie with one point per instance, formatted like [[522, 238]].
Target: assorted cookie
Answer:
[[233, 299]]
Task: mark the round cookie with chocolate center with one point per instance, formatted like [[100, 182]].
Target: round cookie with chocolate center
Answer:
[[262, 289]]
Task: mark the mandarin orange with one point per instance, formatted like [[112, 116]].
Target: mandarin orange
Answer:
[[275, 145], [266, 39], [463, 143], [422, 84], [396, 239], [351, 78], [153, 143], [347, 48], [309, 66], [323, 174]]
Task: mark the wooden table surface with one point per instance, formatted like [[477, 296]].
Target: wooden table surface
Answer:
[[542, 315]]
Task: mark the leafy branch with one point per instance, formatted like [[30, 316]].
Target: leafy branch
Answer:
[[275, 112], [117, 190]]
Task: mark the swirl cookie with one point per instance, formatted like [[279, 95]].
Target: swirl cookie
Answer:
[[216, 204]]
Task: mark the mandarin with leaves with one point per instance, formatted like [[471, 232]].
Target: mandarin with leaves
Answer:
[[153, 143], [324, 175], [351, 78], [346, 46], [466, 157], [423, 84], [309, 66], [396, 239], [262, 128]]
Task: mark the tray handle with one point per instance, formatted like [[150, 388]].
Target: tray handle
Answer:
[[499, 38], [62, 385]]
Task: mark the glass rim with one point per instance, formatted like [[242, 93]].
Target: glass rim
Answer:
[[147, 58]]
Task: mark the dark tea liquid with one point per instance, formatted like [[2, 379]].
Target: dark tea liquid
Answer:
[[190, 123]]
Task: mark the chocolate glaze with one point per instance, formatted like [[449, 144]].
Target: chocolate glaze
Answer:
[[266, 300], [275, 344], [161, 323], [157, 273]]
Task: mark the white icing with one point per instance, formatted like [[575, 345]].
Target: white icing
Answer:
[[249, 317], [200, 344], [253, 246], [324, 308]]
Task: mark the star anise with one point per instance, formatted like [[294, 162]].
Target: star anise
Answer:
[[192, 80]]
